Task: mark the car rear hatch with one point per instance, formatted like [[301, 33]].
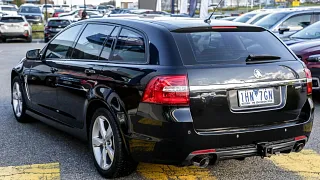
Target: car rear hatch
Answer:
[[57, 25], [12, 24], [240, 78]]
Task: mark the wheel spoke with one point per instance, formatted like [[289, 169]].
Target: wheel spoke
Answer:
[[109, 133], [102, 128], [103, 160], [17, 108], [110, 152], [97, 142], [14, 96], [17, 88]]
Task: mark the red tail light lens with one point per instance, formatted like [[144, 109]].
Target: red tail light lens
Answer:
[[309, 81], [26, 24], [169, 90], [205, 151]]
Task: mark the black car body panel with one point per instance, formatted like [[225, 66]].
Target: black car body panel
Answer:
[[63, 92]]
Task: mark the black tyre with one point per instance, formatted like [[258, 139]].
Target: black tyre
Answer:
[[29, 39], [107, 147], [18, 101], [4, 40]]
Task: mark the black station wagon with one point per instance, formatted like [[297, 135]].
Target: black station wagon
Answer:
[[176, 92]]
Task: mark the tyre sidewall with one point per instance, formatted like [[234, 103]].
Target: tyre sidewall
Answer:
[[118, 144]]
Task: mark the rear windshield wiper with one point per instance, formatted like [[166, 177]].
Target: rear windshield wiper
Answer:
[[252, 57]]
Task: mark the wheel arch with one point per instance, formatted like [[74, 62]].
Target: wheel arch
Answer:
[[95, 104]]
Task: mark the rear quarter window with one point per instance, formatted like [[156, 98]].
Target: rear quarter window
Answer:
[[231, 47]]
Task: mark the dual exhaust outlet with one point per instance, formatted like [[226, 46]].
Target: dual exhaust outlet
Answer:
[[203, 161]]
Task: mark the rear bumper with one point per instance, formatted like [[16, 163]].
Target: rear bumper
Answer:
[[164, 142], [13, 35], [283, 146]]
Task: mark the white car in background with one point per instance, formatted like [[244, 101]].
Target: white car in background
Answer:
[[49, 8], [15, 27], [66, 7], [8, 9]]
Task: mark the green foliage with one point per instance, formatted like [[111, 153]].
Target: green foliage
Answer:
[[37, 28]]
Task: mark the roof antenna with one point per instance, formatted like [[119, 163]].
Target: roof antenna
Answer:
[[208, 20]]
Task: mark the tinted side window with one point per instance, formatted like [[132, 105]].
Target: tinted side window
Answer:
[[298, 22], [130, 47], [91, 41], [105, 54], [61, 46]]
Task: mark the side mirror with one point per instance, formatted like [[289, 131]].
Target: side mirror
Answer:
[[283, 29], [33, 54], [314, 58]]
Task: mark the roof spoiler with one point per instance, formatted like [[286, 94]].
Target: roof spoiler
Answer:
[[220, 28]]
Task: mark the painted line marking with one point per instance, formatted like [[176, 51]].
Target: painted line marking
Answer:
[[306, 163], [50, 171], [166, 172]]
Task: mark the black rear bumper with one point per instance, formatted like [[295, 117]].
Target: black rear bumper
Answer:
[[164, 142]]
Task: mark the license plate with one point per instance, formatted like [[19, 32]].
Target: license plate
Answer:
[[255, 97]]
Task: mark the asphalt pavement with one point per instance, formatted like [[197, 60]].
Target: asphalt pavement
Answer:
[[38, 149]]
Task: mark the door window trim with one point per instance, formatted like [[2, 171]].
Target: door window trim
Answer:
[[43, 58], [146, 49], [78, 37]]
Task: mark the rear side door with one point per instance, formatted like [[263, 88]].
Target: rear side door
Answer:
[[297, 22], [229, 90], [78, 75], [42, 80]]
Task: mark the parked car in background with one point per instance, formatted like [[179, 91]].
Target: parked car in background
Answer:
[[32, 13], [2, 14], [12, 27], [288, 22], [57, 12], [309, 53], [66, 7], [257, 17], [56, 6], [311, 32], [101, 8], [54, 26], [231, 18], [218, 16], [176, 92], [245, 17], [8, 9], [47, 7]]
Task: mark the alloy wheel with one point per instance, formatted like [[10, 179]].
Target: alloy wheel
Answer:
[[103, 142], [17, 99]]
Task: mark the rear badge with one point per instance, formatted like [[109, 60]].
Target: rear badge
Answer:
[[257, 73]]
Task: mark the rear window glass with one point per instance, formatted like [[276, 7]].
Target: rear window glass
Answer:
[[12, 19], [58, 23], [233, 47], [30, 10], [8, 9]]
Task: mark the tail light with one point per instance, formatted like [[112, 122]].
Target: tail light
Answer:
[[26, 33], [26, 24], [205, 151], [309, 81], [168, 90]]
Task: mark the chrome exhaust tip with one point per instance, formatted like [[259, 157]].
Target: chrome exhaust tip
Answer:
[[201, 162], [299, 147]]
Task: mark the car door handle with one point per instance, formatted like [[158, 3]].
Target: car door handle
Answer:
[[89, 71], [53, 70]]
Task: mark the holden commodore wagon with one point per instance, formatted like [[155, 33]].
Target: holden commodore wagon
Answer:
[[177, 92]]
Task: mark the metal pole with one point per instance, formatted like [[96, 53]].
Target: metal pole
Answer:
[[172, 6]]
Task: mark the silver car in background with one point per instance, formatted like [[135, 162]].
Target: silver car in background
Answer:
[[15, 27]]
